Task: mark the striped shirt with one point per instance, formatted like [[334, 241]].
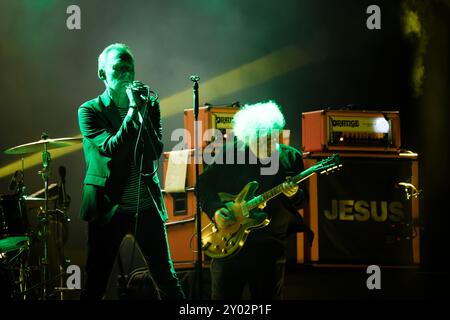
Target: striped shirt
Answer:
[[129, 199]]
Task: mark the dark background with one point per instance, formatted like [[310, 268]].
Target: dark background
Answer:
[[47, 71]]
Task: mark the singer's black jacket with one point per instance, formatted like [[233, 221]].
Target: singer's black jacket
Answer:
[[109, 145]]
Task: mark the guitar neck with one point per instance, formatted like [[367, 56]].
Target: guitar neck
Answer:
[[272, 193]]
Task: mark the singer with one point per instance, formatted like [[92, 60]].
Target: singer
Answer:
[[122, 133]]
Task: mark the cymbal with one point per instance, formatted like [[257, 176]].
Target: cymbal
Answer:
[[38, 146], [13, 243]]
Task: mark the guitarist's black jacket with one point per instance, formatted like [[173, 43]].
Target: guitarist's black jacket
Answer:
[[232, 177]]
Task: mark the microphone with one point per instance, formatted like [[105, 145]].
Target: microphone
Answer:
[[142, 89], [410, 190], [194, 78], [407, 185], [64, 198], [13, 183], [62, 173]]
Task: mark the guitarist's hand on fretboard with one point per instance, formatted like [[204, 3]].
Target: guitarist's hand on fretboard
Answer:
[[291, 188]]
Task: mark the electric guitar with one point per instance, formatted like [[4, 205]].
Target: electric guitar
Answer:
[[223, 243]]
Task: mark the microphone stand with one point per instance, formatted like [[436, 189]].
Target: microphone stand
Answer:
[[199, 263]]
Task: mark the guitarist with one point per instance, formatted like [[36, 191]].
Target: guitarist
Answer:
[[261, 261]]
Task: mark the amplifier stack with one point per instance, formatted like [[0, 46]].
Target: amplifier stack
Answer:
[[364, 214]]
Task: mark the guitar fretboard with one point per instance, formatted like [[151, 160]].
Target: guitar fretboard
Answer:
[[271, 193]]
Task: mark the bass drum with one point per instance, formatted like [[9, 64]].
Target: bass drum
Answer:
[[6, 284], [13, 223]]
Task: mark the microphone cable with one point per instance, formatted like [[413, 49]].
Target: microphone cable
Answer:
[[141, 174]]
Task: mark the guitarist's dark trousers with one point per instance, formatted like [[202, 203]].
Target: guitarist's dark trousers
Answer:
[[262, 268]]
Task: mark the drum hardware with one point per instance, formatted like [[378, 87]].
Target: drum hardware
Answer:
[[15, 263], [50, 230], [26, 291], [14, 237], [13, 223], [45, 174]]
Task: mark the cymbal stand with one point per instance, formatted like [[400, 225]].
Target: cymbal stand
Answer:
[[45, 173]]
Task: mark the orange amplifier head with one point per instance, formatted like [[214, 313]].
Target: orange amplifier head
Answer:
[[349, 130], [209, 117]]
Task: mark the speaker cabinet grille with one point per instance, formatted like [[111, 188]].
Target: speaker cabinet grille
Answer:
[[360, 214]]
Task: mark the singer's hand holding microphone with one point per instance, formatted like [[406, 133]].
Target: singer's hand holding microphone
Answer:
[[138, 94]]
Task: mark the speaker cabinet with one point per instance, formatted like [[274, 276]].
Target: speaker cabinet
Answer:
[[361, 215], [181, 210]]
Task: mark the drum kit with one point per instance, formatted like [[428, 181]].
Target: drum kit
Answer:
[[34, 230]]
